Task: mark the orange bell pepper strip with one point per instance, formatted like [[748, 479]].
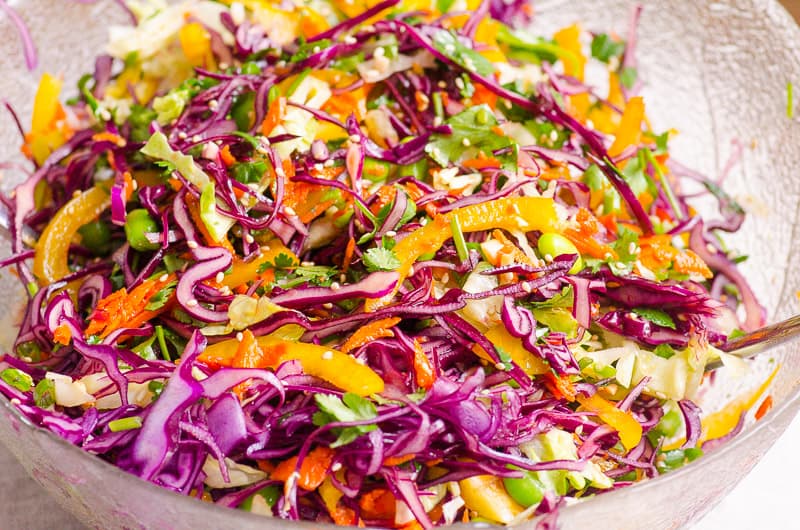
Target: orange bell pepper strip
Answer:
[[629, 131], [510, 213], [378, 504], [274, 115], [630, 430], [52, 249], [313, 470], [333, 366], [424, 372], [374, 330]]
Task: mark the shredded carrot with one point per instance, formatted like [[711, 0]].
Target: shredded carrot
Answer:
[[560, 386], [62, 335], [482, 162], [385, 195], [765, 407], [398, 460], [121, 309], [274, 115], [343, 516], [378, 504], [227, 158], [510, 249], [484, 95], [107, 136], [312, 471], [424, 372], [372, 331], [348, 254]]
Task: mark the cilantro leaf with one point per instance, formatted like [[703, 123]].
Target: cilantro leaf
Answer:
[[450, 46], [350, 408], [656, 316], [625, 246], [664, 350], [604, 47], [475, 125], [380, 259], [160, 299], [307, 49], [249, 172]]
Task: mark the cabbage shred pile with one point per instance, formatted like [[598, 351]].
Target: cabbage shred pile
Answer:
[[392, 264]]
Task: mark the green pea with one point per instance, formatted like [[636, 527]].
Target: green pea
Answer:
[[137, 224], [96, 236], [526, 490], [558, 245], [243, 111], [270, 494]]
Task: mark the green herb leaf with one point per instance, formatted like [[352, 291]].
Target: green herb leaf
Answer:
[[448, 44], [604, 47], [249, 172], [380, 259], [474, 124], [160, 299], [656, 316], [307, 49], [350, 408]]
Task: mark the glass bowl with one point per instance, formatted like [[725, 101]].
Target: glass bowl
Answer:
[[717, 72]]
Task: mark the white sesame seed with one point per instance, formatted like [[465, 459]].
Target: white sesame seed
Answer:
[[16, 401], [289, 210], [76, 194], [391, 233], [135, 185], [465, 142], [500, 366], [249, 239], [362, 362], [328, 355], [379, 52], [220, 276], [437, 120], [328, 163], [318, 167], [192, 302], [196, 138], [182, 135], [164, 277], [350, 40], [315, 49], [280, 64], [342, 278], [265, 248], [223, 66], [553, 135], [240, 336], [213, 104], [335, 286], [548, 258], [327, 305], [459, 83], [441, 84], [306, 263], [445, 278], [280, 172], [225, 290], [632, 248], [355, 138], [192, 244], [336, 466], [526, 286]]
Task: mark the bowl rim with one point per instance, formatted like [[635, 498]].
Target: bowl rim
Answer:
[[788, 31]]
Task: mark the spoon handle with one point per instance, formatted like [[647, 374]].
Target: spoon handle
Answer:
[[755, 342]]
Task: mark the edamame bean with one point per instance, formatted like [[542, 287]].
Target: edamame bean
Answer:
[[137, 224], [527, 490], [96, 236], [270, 494], [554, 245]]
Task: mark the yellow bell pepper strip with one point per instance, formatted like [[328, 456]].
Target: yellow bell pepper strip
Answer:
[[196, 44], [333, 366], [52, 250], [630, 430], [509, 213], [502, 339], [46, 132], [243, 272], [629, 131], [486, 495]]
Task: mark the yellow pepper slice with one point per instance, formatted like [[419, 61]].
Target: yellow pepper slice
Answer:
[[630, 430], [486, 495], [630, 127], [196, 44], [501, 338], [333, 366], [52, 250], [509, 213], [246, 271], [46, 133]]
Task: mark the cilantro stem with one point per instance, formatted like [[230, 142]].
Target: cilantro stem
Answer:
[[162, 343], [438, 105], [790, 100], [665, 185], [458, 239]]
